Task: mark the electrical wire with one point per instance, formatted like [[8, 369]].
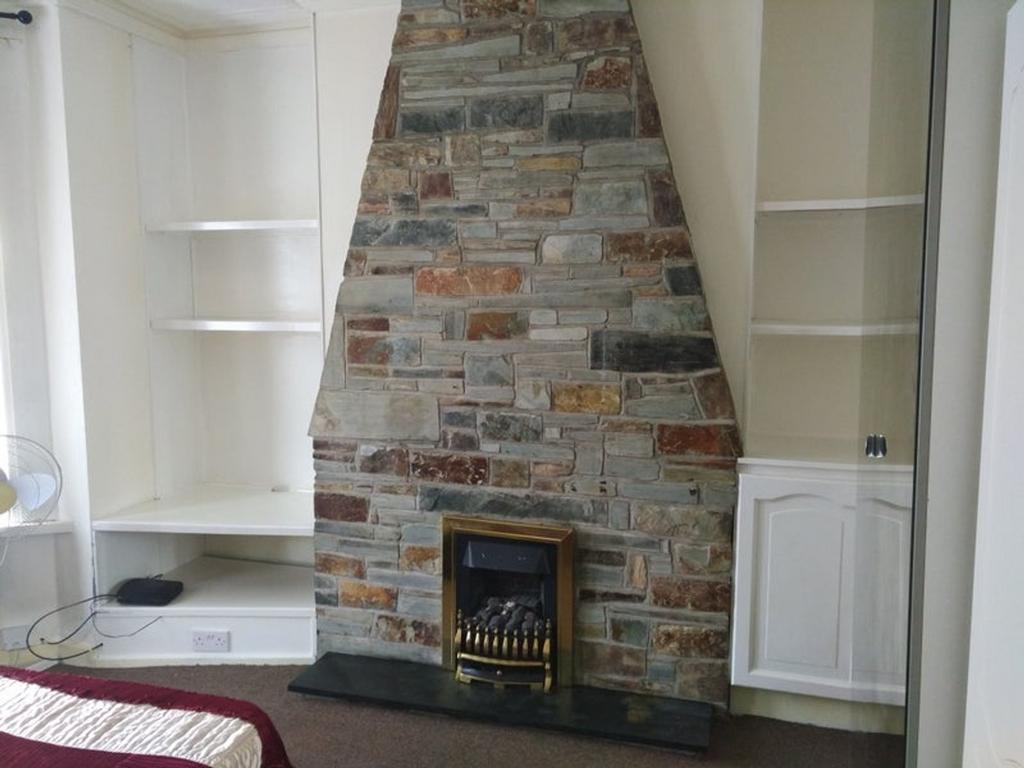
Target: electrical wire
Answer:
[[48, 614], [101, 633], [90, 618]]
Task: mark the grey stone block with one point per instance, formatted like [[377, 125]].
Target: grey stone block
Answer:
[[683, 281], [617, 198], [640, 352], [430, 122], [377, 295], [527, 506], [507, 112], [532, 395], [670, 314], [518, 428], [590, 126], [484, 49], [628, 444], [488, 370], [643, 152], [419, 606], [682, 406], [571, 249], [376, 415], [566, 9], [391, 232], [634, 469]]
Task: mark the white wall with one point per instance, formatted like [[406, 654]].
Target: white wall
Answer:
[[19, 251], [99, 108], [353, 50], [704, 58], [970, 156]]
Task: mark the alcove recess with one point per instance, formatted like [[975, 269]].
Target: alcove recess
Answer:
[[823, 530], [227, 168]]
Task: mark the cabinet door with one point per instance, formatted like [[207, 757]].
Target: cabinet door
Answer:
[[881, 589], [821, 587]]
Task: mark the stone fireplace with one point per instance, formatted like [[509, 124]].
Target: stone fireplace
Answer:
[[522, 337]]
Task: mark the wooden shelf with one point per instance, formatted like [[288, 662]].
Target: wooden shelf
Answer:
[[209, 324], [772, 328], [221, 587], [219, 509], [839, 204], [251, 225]]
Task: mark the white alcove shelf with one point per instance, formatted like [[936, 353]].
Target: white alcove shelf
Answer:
[[213, 508], [248, 225], [222, 325], [228, 183]]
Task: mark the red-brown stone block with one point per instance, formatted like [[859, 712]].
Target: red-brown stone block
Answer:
[[649, 246], [698, 439], [690, 594], [435, 185], [359, 594], [482, 9], [396, 629], [497, 325], [648, 115], [382, 350], [690, 641], [593, 32], [468, 281], [340, 565], [385, 461], [608, 72], [450, 468], [369, 324], [341, 507], [387, 111], [667, 206], [418, 558], [714, 396]]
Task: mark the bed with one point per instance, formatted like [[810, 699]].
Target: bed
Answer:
[[67, 721]]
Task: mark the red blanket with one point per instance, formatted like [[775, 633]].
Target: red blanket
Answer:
[[68, 721]]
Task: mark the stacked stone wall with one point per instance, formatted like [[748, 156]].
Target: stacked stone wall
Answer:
[[522, 334]]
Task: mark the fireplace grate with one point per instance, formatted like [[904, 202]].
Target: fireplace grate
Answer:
[[504, 643]]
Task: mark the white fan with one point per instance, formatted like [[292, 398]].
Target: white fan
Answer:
[[30, 484]]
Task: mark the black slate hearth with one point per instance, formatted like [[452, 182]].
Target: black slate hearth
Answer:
[[652, 720]]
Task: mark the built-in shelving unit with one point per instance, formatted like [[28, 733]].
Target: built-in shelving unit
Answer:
[[822, 531], [228, 182], [252, 225]]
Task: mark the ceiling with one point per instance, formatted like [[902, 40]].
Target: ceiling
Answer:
[[193, 17]]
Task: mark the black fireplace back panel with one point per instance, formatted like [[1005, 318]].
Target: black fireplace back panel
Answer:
[[494, 567]]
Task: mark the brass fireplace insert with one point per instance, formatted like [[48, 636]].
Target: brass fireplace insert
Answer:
[[507, 602]]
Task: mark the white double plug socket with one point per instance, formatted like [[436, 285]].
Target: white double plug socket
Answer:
[[211, 640]]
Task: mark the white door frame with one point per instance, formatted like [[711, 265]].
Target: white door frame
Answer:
[[994, 728]]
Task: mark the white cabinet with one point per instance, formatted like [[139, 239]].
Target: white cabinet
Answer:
[[822, 569]]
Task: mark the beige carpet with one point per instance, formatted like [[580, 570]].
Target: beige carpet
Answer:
[[334, 734]]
